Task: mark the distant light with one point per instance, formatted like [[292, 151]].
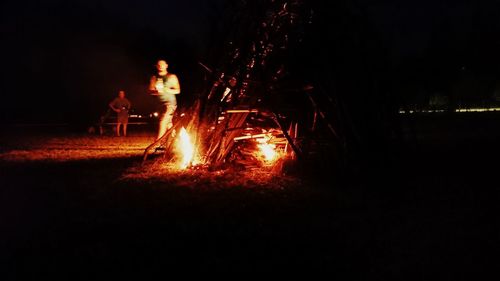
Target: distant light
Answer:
[[155, 114], [477, 109], [472, 109]]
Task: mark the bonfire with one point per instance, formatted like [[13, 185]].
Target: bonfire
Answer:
[[249, 115]]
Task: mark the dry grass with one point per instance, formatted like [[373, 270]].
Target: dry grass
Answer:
[[203, 178], [77, 201], [60, 149], [72, 148]]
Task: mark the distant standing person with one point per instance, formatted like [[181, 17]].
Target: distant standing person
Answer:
[[121, 105], [166, 86]]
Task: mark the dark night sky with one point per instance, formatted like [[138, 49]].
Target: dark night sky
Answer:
[[67, 59], [63, 60]]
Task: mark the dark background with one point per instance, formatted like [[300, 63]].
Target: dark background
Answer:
[[62, 61], [418, 206]]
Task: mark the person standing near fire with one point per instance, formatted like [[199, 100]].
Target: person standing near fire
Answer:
[[121, 105], [166, 86]]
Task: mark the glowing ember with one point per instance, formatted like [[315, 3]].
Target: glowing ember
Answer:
[[186, 148]]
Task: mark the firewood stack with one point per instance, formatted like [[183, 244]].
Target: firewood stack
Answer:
[[252, 99], [258, 64]]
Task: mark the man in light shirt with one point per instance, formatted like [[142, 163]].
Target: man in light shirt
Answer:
[[166, 86]]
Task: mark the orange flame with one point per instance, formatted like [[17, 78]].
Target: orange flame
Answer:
[[186, 148], [268, 151]]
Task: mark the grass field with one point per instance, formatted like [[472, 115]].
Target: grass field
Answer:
[[74, 205]]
